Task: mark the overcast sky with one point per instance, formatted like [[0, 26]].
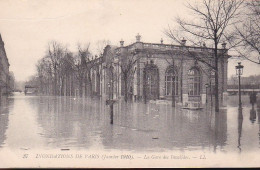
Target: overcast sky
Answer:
[[27, 26]]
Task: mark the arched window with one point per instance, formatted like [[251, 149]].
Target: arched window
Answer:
[[151, 82], [171, 82], [194, 82]]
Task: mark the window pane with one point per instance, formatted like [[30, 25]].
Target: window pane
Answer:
[[168, 88], [194, 82], [171, 80]]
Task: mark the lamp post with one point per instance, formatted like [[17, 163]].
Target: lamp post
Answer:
[[206, 85], [239, 72]]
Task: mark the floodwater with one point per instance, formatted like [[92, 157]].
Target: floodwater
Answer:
[[41, 122]]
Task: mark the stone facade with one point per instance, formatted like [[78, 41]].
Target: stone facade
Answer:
[[156, 71], [4, 70]]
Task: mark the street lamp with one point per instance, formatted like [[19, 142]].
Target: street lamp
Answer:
[[206, 85], [239, 72]]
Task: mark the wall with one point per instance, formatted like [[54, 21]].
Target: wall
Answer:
[[162, 59]]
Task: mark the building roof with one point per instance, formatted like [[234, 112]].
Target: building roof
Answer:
[[164, 48]]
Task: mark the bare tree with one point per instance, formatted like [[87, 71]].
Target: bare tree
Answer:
[[85, 62], [248, 33], [127, 61], [41, 71], [80, 62], [211, 24], [45, 75], [66, 71], [55, 54], [100, 46]]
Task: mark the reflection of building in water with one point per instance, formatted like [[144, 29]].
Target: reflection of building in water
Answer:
[[5, 104]]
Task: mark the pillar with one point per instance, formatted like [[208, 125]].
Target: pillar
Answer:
[[141, 81], [135, 84]]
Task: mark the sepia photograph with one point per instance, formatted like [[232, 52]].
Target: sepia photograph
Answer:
[[129, 83]]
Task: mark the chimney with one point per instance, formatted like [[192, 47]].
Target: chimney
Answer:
[[138, 38], [161, 41], [122, 43]]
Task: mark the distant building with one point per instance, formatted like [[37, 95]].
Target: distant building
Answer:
[[159, 71], [31, 90], [4, 70]]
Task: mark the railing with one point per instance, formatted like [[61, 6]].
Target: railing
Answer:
[[245, 86], [171, 47], [177, 47]]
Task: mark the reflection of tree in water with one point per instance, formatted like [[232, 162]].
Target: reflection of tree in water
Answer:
[[5, 105], [220, 129], [258, 116], [252, 117]]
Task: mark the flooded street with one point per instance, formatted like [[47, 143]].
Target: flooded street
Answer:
[[34, 122]]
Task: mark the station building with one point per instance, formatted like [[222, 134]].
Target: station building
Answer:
[[156, 71]]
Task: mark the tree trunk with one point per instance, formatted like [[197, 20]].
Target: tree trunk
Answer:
[[55, 85], [111, 113], [55, 80], [216, 78], [173, 85], [181, 78], [112, 85], [126, 94], [90, 85], [144, 87], [80, 87]]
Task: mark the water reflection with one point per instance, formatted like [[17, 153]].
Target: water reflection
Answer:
[[240, 123], [85, 123], [69, 122], [252, 114], [82, 123], [5, 105], [258, 115]]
